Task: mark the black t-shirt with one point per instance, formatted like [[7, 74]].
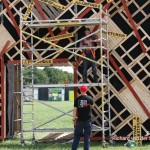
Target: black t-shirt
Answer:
[[83, 104]]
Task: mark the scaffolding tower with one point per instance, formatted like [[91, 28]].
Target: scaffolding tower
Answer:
[[103, 62]]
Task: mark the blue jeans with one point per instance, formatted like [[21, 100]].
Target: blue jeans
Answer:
[[86, 63], [79, 128]]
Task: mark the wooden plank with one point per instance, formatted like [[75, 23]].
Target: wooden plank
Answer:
[[113, 41], [5, 36], [11, 16], [133, 26], [130, 87], [143, 93], [50, 136], [122, 124], [130, 103]]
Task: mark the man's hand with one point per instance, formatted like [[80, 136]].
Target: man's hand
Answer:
[[74, 121]]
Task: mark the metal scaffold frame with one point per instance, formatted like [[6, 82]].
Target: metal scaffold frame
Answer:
[[103, 62]]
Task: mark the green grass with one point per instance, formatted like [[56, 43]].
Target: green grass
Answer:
[[43, 114], [14, 144]]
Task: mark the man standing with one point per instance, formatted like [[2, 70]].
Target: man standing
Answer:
[[89, 53], [82, 118]]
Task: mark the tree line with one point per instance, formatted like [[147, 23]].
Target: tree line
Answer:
[[47, 76]]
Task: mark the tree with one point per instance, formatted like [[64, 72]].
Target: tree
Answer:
[[48, 76], [40, 77], [57, 76]]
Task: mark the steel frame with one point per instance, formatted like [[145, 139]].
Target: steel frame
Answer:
[[104, 64]]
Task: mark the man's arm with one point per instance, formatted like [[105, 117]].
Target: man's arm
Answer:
[[75, 115]]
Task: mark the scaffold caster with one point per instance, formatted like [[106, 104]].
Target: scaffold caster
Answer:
[[33, 140], [105, 144], [22, 143]]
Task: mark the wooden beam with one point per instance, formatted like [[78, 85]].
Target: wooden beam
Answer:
[[3, 116], [4, 48], [133, 26], [11, 16], [87, 10], [124, 78], [42, 14], [129, 86], [104, 9], [14, 23]]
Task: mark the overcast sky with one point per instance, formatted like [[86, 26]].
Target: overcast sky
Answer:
[[64, 68], [68, 69]]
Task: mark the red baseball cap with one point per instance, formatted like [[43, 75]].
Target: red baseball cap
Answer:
[[83, 88]]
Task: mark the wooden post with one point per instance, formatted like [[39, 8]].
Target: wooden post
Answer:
[[17, 99], [2, 101]]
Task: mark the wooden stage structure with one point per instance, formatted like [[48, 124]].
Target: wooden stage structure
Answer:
[[128, 48]]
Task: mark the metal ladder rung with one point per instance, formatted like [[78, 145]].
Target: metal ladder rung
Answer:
[[27, 86], [28, 103], [107, 120], [103, 30], [106, 129], [104, 66], [104, 56], [17, 92], [103, 47], [105, 93], [104, 83], [31, 70], [17, 120], [28, 52], [106, 102], [28, 113], [29, 90], [105, 75], [28, 121], [27, 42], [29, 77], [28, 96], [104, 21], [104, 39], [106, 111]]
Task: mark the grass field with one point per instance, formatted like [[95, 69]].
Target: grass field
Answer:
[[43, 114]]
